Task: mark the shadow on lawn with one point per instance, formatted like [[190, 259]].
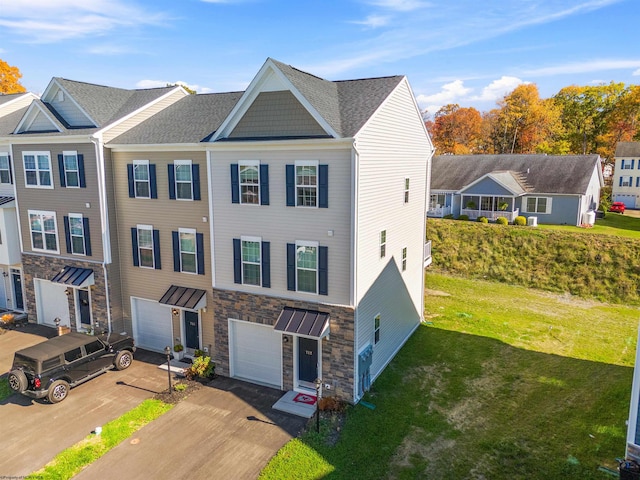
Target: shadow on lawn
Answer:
[[454, 405]]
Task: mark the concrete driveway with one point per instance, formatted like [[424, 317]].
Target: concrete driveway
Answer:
[[34, 431], [225, 430]]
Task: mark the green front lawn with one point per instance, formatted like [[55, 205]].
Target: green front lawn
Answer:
[[5, 391], [612, 224], [504, 383]]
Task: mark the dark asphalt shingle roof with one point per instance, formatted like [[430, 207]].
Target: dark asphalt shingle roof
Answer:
[[563, 174], [628, 149], [190, 120]]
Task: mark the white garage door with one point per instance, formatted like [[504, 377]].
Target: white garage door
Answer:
[[628, 200], [51, 302], [151, 324], [255, 353]]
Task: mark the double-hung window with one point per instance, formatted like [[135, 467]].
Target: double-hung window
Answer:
[[141, 179], [71, 166], [184, 180], [44, 231], [538, 204], [307, 267], [406, 190], [145, 242], [404, 258], [37, 169], [251, 261], [626, 181], [75, 233], [383, 243], [188, 251], [307, 184], [5, 169], [250, 182], [376, 329]]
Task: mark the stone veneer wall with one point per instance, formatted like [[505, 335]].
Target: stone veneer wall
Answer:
[[38, 266], [337, 350]]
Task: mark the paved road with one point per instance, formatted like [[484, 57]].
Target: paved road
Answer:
[[224, 431], [33, 431]]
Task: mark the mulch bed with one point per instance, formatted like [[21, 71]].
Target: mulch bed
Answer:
[[176, 395]]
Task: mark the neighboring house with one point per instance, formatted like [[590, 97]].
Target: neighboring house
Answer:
[[625, 186], [12, 107], [554, 189], [162, 199], [64, 198]]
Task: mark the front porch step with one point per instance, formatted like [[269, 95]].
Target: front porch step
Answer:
[[288, 404], [177, 367]]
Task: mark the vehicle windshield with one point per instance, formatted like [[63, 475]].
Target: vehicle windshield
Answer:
[[26, 363]]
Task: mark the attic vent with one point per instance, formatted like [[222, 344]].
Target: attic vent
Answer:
[[60, 96], [527, 171]]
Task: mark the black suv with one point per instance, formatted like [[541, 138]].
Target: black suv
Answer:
[[49, 369]]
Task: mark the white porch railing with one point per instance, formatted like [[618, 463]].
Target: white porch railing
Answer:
[[427, 253], [490, 214], [438, 212]]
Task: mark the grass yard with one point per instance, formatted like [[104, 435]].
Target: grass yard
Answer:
[[504, 383], [5, 391], [627, 225]]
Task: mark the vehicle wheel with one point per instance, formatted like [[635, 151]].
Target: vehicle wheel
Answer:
[[123, 360], [58, 391], [17, 381]]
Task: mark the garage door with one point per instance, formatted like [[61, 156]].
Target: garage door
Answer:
[[51, 302], [255, 353], [628, 200], [151, 324]]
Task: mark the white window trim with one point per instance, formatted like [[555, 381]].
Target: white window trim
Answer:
[[8, 169], [382, 245], [135, 190], [306, 163], [305, 243], [42, 213], [175, 165], [71, 235], [64, 165], [248, 163], [526, 210], [630, 180], [153, 253], [407, 186], [403, 258], [37, 170], [378, 316], [242, 262], [195, 241]]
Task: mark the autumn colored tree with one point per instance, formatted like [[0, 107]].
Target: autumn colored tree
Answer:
[[10, 79], [457, 130]]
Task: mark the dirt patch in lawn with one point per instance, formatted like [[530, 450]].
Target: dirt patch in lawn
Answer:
[[414, 449], [436, 293]]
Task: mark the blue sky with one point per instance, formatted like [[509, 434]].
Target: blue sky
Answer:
[[468, 52]]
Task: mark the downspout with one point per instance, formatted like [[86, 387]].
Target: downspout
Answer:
[[211, 239], [427, 197], [355, 175], [104, 221]]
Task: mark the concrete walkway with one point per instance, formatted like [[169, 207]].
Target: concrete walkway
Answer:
[[225, 430]]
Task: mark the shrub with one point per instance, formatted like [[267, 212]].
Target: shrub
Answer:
[[463, 217], [198, 353], [520, 220], [201, 367], [180, 387], [448, 216], [178, 347], [502, 221], [483, 219]]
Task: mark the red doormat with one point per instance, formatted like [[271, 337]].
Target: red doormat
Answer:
[[303, 398]]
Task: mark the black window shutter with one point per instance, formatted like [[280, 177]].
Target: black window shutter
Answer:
[[10, 170], [323, 277], [237, 261], [291, 185], [323, 186], [172, 181], [200, 252], [81, 178], [132, 192], [156, 250], [235, 183], [176, 251], [67, 233], [134, 246], [63, 182], [153, 183], [620, 182], [291, 266], [266, 264], [195, 178], [87, 237], [264, 184]]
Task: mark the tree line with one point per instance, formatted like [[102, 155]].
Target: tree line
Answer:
[[576, 120]]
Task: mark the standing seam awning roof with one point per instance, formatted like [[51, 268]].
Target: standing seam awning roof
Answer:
[[5, 200], [297, 321], [75, 277], [184, 297]]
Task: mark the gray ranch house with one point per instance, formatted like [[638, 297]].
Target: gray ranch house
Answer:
[[555, 189]]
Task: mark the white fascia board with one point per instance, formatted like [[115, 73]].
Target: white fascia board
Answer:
[[22, 139], [252, 92], [27, 115], [19, 98], [141, 109], [55, 82], [599, 168], [158, 147]]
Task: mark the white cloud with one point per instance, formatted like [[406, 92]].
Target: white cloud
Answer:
[[400, 5], [373, 21], [584, 67], [498, 89], [636, 73], [452, 92], [164, 83], [48, 21]]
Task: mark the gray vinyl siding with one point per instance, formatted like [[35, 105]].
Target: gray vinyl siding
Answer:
[[148, 112], [277, 114], [69, 110], [59, 199], [487, 186], [41, 123], [564, 209], [166, 216], [279, 224], [392, 146]]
